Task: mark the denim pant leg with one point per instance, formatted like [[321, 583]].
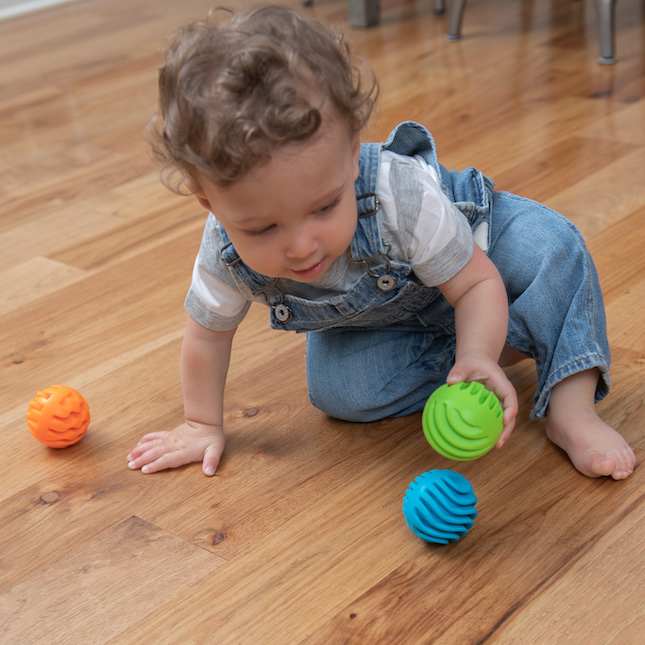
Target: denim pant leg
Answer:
[[556, 310], [367, 375]]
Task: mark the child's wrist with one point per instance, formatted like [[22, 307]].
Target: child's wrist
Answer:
[[201, 425]]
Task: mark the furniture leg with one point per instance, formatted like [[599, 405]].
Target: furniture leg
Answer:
[[364, 13], [456, 10], [606, 29]]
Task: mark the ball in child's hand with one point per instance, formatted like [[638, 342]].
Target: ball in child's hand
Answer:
[[462, 421], [58, 416], [439, 506]]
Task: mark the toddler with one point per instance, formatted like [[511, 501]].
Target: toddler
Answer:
[[403, 275]]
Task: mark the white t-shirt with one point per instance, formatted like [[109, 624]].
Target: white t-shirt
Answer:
[[421, 225]]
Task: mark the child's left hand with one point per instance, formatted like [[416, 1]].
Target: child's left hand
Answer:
[[476, 366]]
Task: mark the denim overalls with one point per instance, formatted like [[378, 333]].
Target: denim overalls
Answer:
[[380, 349]]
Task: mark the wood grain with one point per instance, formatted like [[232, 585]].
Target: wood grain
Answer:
[[91, 590], [299, 538]]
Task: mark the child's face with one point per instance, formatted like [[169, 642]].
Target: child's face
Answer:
[[296, 214]]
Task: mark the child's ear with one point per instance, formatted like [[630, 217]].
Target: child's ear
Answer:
[[194, 189]]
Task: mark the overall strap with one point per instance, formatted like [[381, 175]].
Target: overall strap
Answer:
[[368, 239], [252, 279]]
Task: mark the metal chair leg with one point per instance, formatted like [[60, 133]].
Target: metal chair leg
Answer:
[[456, 10], [606, 31], [364, 13]]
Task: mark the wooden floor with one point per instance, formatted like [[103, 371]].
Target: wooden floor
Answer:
[[299, 539]]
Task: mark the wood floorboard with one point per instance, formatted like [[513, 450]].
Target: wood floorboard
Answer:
[[609, 248], [300, 538], [63, 597], [566, 611]]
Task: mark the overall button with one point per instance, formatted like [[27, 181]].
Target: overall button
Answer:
[[282, 313], [386, 282]]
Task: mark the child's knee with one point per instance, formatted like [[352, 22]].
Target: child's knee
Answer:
[[341, 401], [533, 242]]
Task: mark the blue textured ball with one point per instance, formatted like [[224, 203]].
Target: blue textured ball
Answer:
[[439, 506]]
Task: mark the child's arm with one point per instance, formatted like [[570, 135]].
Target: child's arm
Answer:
[[479, 298], [205, 357]]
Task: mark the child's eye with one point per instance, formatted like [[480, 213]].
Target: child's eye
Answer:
[[261, 231], [328, 207]]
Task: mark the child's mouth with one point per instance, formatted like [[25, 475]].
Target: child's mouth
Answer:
[[311, 271]]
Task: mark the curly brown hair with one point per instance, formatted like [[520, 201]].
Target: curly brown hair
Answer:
[[232, 92]]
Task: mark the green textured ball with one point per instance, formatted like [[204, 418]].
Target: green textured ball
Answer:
[[462, 421]]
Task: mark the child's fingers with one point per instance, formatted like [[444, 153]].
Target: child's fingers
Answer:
[[159, 457], [147, 442], [163, 458], [145, 456], [162, 450], [151, 436], [506, 433], [508, 398], [163, 462], [136, 452], [456, 375], [212, 458], [494, 379], [509, 403]]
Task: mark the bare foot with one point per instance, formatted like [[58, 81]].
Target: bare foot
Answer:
[[594, 448]]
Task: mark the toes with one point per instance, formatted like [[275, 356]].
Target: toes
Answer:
[[601, 465], [624, 465], [618, 466]]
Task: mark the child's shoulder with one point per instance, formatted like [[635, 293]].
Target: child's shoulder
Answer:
[[411, 172]]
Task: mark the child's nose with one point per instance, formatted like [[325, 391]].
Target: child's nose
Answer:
[[301, 245]]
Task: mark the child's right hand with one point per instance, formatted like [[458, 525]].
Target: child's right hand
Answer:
[[481, 367], [186, 444]]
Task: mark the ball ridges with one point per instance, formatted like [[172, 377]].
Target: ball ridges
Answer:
[[58, 416], [439, 506], [462, 421]]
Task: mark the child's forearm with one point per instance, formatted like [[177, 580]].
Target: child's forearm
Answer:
[[481, 319], [479, 298], [205, 357]]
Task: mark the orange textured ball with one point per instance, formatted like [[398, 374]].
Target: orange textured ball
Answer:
[[58, 416]]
